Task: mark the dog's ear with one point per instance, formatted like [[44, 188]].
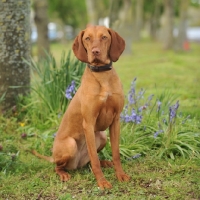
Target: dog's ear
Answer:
[[78, 48], [117, 45]]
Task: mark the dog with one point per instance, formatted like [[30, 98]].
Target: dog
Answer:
[[95, 107]]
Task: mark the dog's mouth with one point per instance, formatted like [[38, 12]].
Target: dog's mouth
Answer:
[[98, 62]]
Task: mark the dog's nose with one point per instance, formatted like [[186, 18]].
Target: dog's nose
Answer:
[[96, 51]]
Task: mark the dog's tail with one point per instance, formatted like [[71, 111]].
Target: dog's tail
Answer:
[[49, 159]]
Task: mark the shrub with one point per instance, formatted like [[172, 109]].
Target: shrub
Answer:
[[157, 126], [49, 82]]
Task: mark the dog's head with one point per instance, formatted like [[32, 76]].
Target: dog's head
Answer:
[[98, 45]]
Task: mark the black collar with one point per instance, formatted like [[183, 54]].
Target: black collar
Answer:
[[100, 68]]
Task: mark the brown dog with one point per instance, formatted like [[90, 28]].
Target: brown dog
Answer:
[[95, 107]]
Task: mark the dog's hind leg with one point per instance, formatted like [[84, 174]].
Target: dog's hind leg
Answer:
[[64, 153]]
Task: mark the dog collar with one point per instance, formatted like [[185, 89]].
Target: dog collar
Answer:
[[100, 68]]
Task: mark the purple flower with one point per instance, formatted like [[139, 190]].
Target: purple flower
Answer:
[[23, 135], [172, 111], [150, 97], [54, 135], [136, 156], [142, 108], [164, 121], [140, 94], [70, 90], [133, 117], [131, 98], [138, 119], [157, 133], [59, 115], [131, 93], [159, 105]]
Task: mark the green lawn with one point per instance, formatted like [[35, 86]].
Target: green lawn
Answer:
[[158, 71], [23, 176]]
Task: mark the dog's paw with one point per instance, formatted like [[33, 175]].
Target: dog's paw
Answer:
[[104, 184], [123, 177], [106, 163], [64, 176]]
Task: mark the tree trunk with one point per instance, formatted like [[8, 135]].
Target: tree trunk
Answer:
[[114, 7], [138, 18], [41, 21], [14, 48], [124, 25], [92, 15], [182, 35], [168, 24], [154, 21]]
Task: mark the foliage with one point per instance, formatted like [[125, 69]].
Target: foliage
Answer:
[[26, 176], [152, 127], [2, 97], [70, 12], [50, 80]]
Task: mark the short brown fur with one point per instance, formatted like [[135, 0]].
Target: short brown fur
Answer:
[[95, 107]]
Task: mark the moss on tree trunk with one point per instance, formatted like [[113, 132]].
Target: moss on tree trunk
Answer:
[[14, 48]]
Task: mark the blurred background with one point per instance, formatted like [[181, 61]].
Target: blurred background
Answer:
[[174, 23], [162, 42]]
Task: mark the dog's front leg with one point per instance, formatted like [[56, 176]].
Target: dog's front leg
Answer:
[[92, 151], [114, 139]]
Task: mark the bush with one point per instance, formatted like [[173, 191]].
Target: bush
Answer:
[[157, 126], [48, 101]]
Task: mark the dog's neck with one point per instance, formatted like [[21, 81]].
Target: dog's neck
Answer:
[[100, 68]]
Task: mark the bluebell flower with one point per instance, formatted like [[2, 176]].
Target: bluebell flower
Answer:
[[70, 90], [131, 99], [164, 121], [59, 115], [157, 133], [159, 105], [131, 93], [133, 117], [138, 119], [172, 111], [136, 156], [141, 108], [54, 135], [140, 94], [150, 97]]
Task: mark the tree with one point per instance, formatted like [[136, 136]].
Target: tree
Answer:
[[152, 13], [138, 18], [41, 21], [91, 11], [182, 35], [168, 24], [72, 13], [124, 22], [97, 10], [15, 47]]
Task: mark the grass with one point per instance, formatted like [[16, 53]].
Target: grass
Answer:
[[30, 178], [23, 176], [158, 70]]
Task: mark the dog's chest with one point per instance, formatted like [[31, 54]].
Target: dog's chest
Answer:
[[111, 104], [104, 95]]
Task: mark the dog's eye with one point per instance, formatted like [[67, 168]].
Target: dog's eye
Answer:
[[87, 38], [104, 37]]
